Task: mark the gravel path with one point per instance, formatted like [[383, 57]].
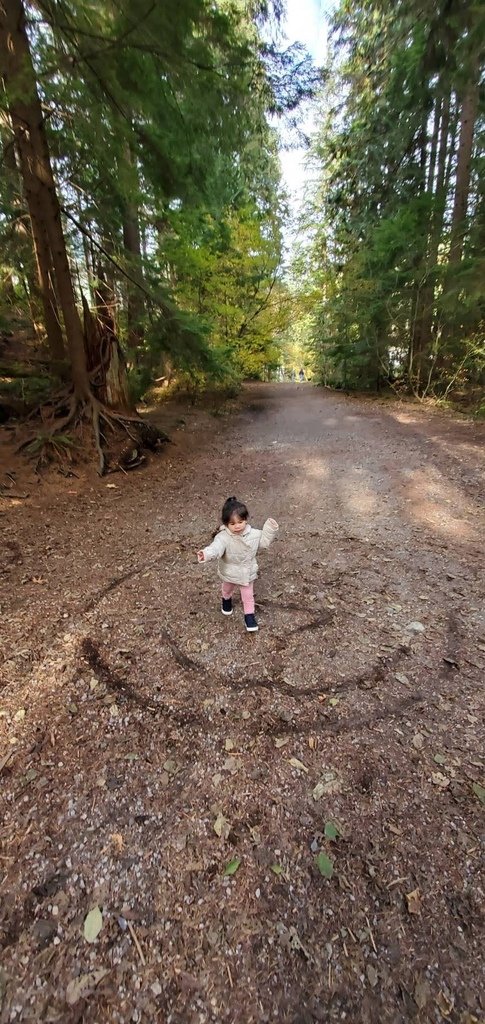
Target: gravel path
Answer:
[[275, 827]]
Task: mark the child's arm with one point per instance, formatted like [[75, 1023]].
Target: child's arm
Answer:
[[268, 533], [214, 550]]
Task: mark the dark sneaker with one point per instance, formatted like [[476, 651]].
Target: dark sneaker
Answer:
[[251, 624], [226, 606]]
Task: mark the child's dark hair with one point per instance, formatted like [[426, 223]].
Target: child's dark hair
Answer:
[[232, 506]]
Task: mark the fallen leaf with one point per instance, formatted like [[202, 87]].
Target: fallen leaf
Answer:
[[231, 868], [439, 758], [329, 783], [229, 745], [394, 828], [117, 842], [331, 830], [93, 924], [401, 678], [324, 865], [479, 791], [438, 779], [277, 869], [445, 1003], [222, 827], [418, 741], [422, 992], [296, 763], [415, 627], [19, 715], [170, 766], [281, 741], [232, 765], [334, 701], [414, 901], [81, 987], [372, 975]]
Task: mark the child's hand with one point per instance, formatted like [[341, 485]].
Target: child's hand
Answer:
[[200, 556]]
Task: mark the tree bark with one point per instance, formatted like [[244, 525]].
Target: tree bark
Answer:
[[40, 189], [132, 245], [44, 290], [469, 111], [415, 352], [44, 266], [106, 363]]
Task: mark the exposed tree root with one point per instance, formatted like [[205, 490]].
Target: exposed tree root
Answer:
[[112, 456]]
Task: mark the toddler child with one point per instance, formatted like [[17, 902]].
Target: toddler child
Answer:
[[236, 545]]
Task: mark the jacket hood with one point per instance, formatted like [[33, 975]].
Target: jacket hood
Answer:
[[243, 534]]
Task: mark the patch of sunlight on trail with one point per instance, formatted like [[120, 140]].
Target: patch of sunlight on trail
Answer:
[[436, 503], [358, 497]]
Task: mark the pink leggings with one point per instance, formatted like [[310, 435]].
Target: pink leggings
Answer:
[[247, 596]]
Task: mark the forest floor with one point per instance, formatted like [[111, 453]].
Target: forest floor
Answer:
[[148, 745]]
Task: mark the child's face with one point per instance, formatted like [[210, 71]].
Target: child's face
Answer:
[[236, 525]]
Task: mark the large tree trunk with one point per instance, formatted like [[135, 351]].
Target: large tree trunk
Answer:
[[50, 309], [44, 290], [106, 363], [132, 245], [422, 332], [459, 222], [468, 118], [36, 170], [415, 350], [437, 218]]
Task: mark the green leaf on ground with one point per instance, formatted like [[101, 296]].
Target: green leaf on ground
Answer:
[[324, 865], [231, 868], [93, 924], [479, 791], [277, 869], [439, 758], [331, 830]]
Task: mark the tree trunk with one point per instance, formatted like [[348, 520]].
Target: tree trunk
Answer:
[[106, 363], [35, 165], [415, 352], [468, 118], [132, 245], [421, 341], [44, 290], [45, 286], [436, 230]]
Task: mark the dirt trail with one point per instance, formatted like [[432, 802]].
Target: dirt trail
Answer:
[[146, 742]]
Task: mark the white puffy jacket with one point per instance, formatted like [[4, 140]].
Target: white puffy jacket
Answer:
[[237, 552]]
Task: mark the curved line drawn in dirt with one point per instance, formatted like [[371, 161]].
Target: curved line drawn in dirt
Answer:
[[279, 819]]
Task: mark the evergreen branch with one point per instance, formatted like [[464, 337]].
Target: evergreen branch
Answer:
[[112, 43], [87, 234], [259, 310]]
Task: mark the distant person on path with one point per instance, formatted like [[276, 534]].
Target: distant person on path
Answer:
[[236, 545], [301, 375]]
